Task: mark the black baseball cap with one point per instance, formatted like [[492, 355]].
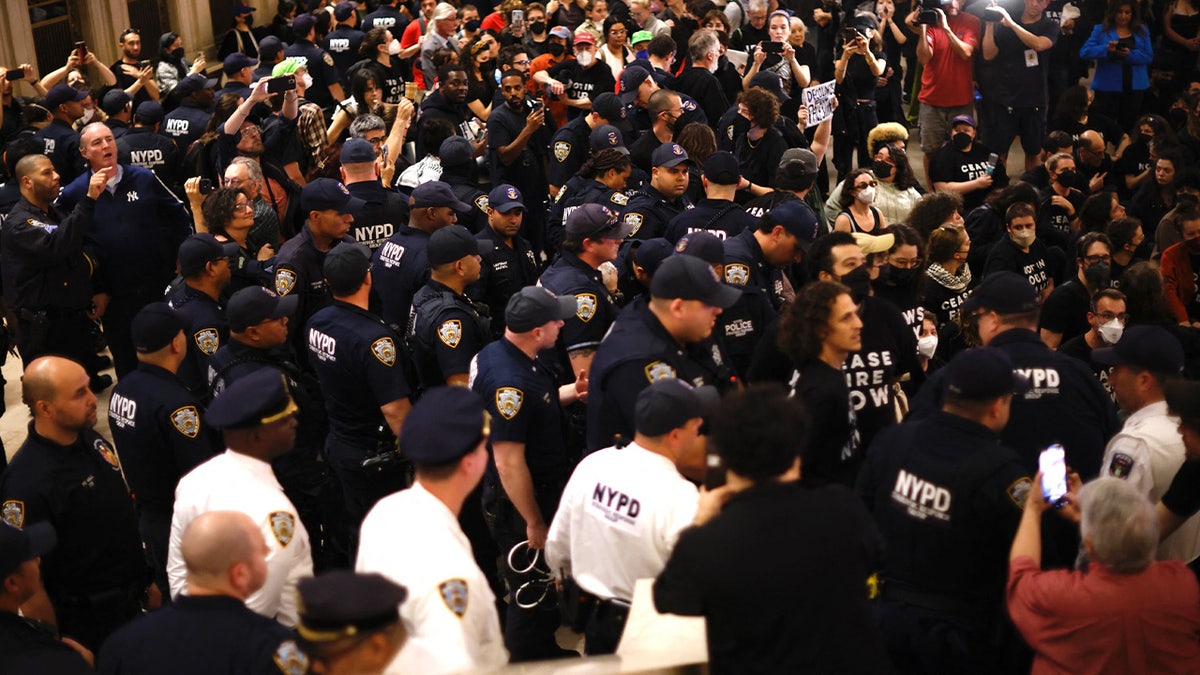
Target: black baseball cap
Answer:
[[357, 151], [194, 83], [445, 424], [632, 78], [505, 198], [114, 101], [722, 168], [595, 221], [343, 10], [269, 48], [703, 245], [302, 24], [155, 326], [260, 398], [1003, 293], [455, 151], [535, 306], [149, 112], [327, 194], [797, 218], [608, 106], [343, 603], [668, 154], [1148, 347], [434, 194], [454, 243], [982, 374], [19, 545], [769, 80], [650, 254], [254, 304], [669, 403], [606, 137], [236, 62], [200, 249], [346, 266], [63, 93], [690, 278]]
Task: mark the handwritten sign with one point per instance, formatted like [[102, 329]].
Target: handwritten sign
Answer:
[[818, 100]]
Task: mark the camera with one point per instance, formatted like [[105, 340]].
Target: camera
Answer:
[[928, 16], [992, 14], [206, 186], [278, 85]]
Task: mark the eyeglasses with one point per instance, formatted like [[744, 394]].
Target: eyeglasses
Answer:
[[376, 141], [252, 131], [617, 31], [233, 182], [906, 263], [1109, 316], [859, 186], [522, 62], [243, 206], [1093, 259]]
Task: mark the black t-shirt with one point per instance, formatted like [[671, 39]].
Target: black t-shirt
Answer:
[[1103, 124], [1183, 497], [834, 449], [1065, 311], [1017, 76], [948, 165], [583, 82], [1078, 347], [859, 82], [1034, 265]]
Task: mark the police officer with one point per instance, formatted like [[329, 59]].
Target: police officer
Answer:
[[299, 263], [601, 180], [144, 146], [658, 202], [717, 212], [342, 43], [571, 146], [387, 17], [653, 339], [530, 463], [451, 611], [357, 359], [258, 418], [47, 274], [157, 426], [509, 263], [65, 104], [67, 474], [239, 74], [350, 622], [593, 237], [116, 105], [447, 329], [326, 88], [400, 267], [460, 172], [209, 628], [188, 121], [755, 258], [204, 266], [383, 209], [947, 494]]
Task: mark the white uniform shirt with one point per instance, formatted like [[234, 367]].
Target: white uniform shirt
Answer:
[[1147, 452], [412, 538], [618, 520], [235, 482]]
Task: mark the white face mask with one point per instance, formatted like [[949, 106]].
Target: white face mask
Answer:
[[1111, 332], [585, 59], [927, 346], [88, 114], [866, 195], [394, 47], [307, 80]]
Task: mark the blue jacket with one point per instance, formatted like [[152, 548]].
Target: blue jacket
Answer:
[[1108, 69]]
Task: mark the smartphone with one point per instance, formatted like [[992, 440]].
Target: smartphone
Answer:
[[15, 73], [280, 84], [992, 160], [144, 64], [518, 17], [384, 154], [81, 47], [849, 34], [1052, 462], [714, 471], [773, 47]]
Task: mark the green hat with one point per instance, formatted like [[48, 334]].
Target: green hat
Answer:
[[641, 36], [287, 67]]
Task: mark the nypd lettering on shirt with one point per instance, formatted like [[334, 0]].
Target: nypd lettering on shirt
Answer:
[[1042, 382], [322, 346], [390, 254], [147, 159], [339, 44], [122, 411], [719, 234], [615, 506], [177, 127], [373, 236], [920, 498]]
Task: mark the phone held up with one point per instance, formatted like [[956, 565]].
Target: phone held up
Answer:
[[1052, 462]]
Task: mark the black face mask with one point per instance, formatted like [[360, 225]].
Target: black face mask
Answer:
[[177, 53], [556, 50], [538, 27], [249, 20], [1067, 178], [881, 169], [1145, 138], [904, 276], [1178, 118], [961, 140], [859, 283], [1098, 276]]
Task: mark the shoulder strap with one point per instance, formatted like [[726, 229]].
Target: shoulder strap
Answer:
[[719, 214]]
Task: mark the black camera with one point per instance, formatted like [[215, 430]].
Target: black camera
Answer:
[[928, 16], [992, 15], [206, 186]]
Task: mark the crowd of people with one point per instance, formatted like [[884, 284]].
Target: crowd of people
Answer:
[[434, 327]]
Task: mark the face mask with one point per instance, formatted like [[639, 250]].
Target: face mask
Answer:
[[249, 20], [538, 27], [1098, 276], [859, 283], [556, 50], [1024, 238], [1145, 138], [585, 59], [307, 80], [1178, 117], [1111, 332], [902, 276], [394, 47], [927, 346], [643, 54], [88, 114], [866, 195], [881, 169], [961, 140], [1067, 177], [177, 53]]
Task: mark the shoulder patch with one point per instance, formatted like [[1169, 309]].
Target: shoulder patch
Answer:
[[562, 150], [384, 349], [454, 594], [327, 58], [657, 370], [101, 446], [619, 198], [285, 281], [290, 659], [207, 340], [1121, 465], [585, 306], [737, 273], [508, 401], [1018, 492], [450, 333], [283, 526], [186, 421], [634, 220], [13, 512], [481, 203]]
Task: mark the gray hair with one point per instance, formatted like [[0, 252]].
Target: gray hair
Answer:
[[1121, 524], [757, 5], [701, 43], [364, 123], [253, 168]]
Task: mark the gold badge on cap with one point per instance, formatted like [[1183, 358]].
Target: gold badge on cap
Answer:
[[283, 526], [186, 421], [454, 594]]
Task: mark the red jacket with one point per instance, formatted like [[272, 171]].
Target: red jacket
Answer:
[[1179, 285]]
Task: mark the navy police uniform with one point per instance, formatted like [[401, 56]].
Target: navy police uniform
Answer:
[[722, 218], [206, 331], [569, 150], [745, 265], [387, 17], [398, 270], [596, 307], [342, 44], [299, 271], [142, 146], [320, 67], [445, 332], [378, 219], [577, 192], [505, 270], [62, 147], [649, 211], [186, 123]]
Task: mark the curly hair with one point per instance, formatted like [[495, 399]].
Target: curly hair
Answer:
[[762, 106], [219, 207], [760, 432], [1093, 215], [932, 211], [698, 140], [805, 321]]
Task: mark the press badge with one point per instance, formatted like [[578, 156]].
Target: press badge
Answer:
[[1031, 58]]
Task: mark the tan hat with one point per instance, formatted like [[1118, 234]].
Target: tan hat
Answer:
[[870, 243]]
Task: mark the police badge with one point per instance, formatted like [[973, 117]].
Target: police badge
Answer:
[[13, 512], [454, 594], [283, 526], [737, 274], [658, 370], [508, 401], [562, 150], [481, 203], [285, 281], [290, 659], [585, 306], [106, 451], [384, 349], [208, 341], [635, 221], [186, 421], [450, 333]]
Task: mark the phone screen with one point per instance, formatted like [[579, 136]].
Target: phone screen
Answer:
[[1052, 462]]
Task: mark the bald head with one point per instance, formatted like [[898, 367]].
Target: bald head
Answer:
[[214, 543], [45, 378], [28, 165], [1092, 140]]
